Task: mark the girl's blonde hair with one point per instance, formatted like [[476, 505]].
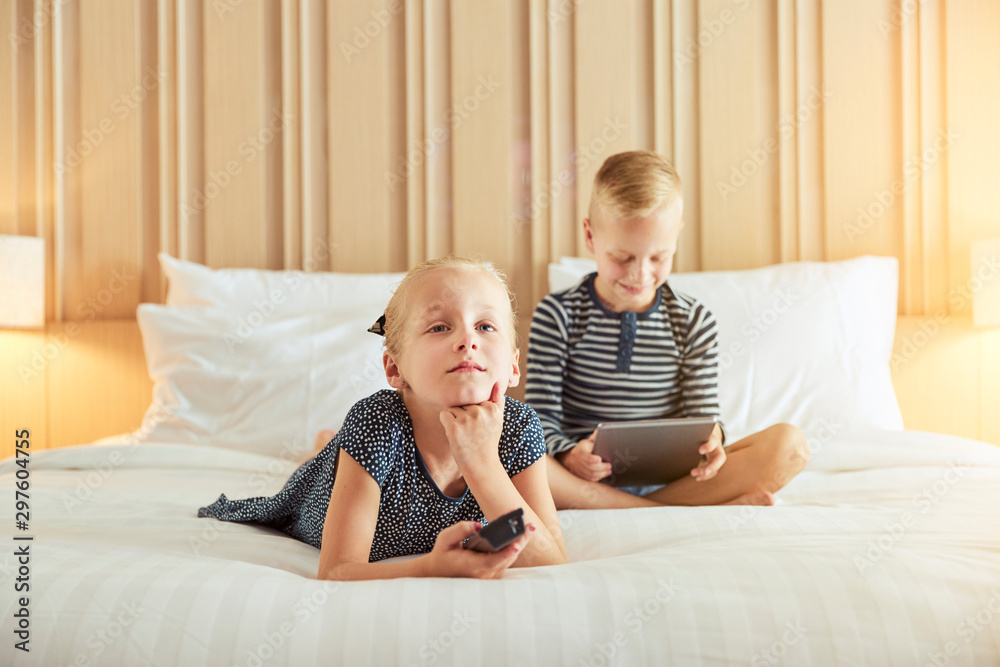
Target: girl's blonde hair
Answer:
[[397, 315], [634, 184]]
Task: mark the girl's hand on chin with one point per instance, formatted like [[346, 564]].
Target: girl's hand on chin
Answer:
[[473, 431]]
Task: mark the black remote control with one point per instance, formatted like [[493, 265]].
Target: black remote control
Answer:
[[497, 534]]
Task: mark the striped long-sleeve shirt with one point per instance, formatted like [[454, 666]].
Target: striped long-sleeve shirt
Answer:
[[587, 363]]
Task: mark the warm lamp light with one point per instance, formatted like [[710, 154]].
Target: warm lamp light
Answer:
[[986, 283], [22, 282]]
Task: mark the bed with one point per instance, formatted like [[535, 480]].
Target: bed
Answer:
[[885, 551]]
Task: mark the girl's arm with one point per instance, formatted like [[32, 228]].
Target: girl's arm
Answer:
[[349, 529], [529, 489], [473, 432], [533, 485]]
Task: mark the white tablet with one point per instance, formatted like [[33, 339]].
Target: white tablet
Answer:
[[652, 451]]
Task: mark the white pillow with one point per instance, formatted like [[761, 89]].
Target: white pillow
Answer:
[[807, 343], [282, 292], [266, 387]]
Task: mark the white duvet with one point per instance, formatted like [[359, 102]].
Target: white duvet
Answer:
[[886, 551]]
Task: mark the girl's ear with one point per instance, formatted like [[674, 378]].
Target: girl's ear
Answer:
[[393, 375], [515, 372]]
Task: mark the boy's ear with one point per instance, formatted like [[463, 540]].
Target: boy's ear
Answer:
[[515, 373], [393, 375], [588, 235]]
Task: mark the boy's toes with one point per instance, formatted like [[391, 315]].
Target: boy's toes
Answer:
[[762, 498]]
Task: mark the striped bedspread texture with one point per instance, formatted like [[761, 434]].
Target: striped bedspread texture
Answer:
[[885, 551]]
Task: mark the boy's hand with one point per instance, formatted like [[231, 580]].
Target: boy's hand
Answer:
[[714, 456], [449, 559], [473, 431], [583, 462]]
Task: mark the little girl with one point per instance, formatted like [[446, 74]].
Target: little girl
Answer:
[[417, 470]]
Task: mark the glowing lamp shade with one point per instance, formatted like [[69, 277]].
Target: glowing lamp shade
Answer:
[[986, 283], [22, 282]]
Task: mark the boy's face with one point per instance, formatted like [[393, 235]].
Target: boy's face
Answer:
[[458, 341], [634, 255]]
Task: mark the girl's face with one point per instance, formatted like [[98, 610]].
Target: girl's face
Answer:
[[634, 255], [457, 342]]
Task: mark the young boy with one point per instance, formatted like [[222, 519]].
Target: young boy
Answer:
[[622, 345]]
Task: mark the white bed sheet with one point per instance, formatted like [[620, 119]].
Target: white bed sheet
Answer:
[[886, 551]]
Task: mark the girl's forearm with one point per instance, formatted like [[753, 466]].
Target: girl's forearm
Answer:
[[497, 495], [543, 548]]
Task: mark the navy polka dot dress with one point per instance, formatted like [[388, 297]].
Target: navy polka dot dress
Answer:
[[378, 434]]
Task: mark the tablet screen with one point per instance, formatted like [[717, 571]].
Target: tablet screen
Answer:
[[655, 451]]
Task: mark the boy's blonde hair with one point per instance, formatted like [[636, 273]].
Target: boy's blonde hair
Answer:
[[397, 315], [634, 184]]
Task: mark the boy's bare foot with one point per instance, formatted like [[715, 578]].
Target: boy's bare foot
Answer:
[[756, 498], [323, 439]]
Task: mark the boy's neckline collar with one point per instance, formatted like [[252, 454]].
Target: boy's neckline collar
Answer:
[[640, 315]]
